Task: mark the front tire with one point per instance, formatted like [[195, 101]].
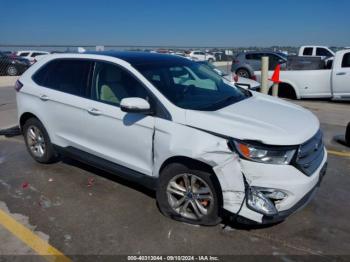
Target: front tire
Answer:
[[189, 195], [38, 142]]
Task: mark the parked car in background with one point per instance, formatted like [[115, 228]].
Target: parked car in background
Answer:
[[39, 57], [198, 55], [312, 50], [31, 54], [6, 52], [232, 77], [219, 56], [205, 149], [244, 64], [12, 65], [326, 82]]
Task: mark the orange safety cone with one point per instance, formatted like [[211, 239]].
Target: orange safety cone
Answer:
[[276, 80], [276, 75]]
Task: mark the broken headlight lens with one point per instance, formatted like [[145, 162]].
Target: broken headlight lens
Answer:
[[257, 201], [277, 156]]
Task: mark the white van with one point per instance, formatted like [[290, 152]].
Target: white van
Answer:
[[205, 150]]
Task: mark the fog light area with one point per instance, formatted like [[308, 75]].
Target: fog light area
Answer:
[[263, 200]]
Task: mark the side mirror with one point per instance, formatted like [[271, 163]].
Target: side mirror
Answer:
[[135, 105]]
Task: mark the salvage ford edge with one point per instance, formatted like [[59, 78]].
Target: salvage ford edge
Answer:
[[206, 146]]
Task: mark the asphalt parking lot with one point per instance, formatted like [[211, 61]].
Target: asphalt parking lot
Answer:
[[82, 210]]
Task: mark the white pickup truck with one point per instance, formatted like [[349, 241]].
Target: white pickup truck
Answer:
[[312, 50], [331, 83]]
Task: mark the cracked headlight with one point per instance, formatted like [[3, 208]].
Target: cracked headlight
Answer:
[[268, 155]]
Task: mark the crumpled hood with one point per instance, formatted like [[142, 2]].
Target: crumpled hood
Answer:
[[262, 118]]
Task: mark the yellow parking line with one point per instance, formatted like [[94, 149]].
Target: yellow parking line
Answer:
[[31, 239], [338, 153]]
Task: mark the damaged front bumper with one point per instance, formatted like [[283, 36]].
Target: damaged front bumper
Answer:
[[296, 189]]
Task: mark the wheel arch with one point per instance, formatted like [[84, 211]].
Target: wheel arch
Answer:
[[198, 165], [24, 117], [287, 84]]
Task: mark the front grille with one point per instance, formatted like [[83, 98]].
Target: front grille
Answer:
[[310, 154]]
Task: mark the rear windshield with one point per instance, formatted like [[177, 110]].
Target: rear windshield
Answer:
[[192, 86]]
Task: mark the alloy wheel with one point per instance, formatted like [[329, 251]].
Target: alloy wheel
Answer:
[[36, 141], [190, 196]]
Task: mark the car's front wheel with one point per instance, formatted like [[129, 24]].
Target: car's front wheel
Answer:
[[189, 195], [38, 142]]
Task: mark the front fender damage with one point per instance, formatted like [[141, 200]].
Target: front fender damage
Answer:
[[227, 167]]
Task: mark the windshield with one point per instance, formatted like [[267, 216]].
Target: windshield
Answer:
[[192, 86]]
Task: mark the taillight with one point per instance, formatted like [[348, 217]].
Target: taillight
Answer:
[[253, 77], [235, 78], [234, 61], [18, 85]]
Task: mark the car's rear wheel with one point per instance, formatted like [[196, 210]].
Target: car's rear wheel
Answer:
[[38, 142], [188, 195], [211, 60], [243, 73], [12, 70]]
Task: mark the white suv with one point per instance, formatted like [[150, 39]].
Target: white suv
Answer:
[[205, 145], [31, 55], [198, 55]]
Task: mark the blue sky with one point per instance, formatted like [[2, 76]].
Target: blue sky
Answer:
[[180, 22]]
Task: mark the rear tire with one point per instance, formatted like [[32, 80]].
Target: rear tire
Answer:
[[38, 142], [243, 73], [211, 60], [194, 202], [285, 91]]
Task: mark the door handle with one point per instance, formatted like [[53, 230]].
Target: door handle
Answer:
[[94, 111], [44, 97], [341, 73]]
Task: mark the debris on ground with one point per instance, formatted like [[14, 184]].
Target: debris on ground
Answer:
[[91, 181]]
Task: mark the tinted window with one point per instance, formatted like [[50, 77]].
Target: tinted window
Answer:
[[35, 54], [346, 60], [192, 86], [24, 54], [308, 51], [274, 60], [111, 84], [323, 52], [65, 75], [254, 56]]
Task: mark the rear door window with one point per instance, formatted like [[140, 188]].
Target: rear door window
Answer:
[[307, 51], [36, 54], [346, 61], [323, 52], [24, 54], [253, 56], [66, 75]]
